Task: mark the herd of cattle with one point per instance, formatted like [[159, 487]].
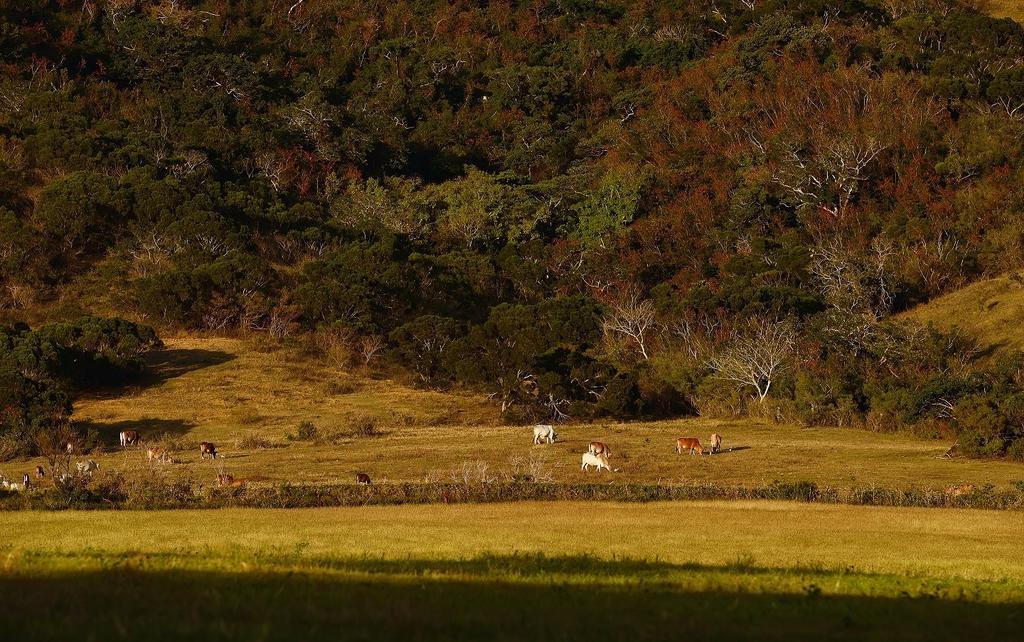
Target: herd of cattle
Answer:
[[598, 452], [596, 456]]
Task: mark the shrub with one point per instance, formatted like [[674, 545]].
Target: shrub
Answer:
[[306, 431], [365, 426]]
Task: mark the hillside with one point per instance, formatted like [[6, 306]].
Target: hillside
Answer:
[[1007, 8], [599, 210], [247, 398], [991, 311]]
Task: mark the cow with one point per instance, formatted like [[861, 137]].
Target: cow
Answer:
[[544, 433], [40, 473], [691, 444], [363, 478], [207, 448], [87, 467], [129, 438], [600, 448], [716, 443], [598, 461], [157, 454]]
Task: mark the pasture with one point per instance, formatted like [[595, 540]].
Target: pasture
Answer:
[[546, 571], [247, 398]]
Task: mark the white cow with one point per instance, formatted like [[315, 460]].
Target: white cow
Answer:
[[598, 461], [544, 433]]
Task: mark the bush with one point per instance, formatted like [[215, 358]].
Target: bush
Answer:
[[365, 426], [307, 431]]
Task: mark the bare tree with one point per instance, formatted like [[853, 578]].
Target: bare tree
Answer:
[[757, 355], [633, 318], [370, 346]]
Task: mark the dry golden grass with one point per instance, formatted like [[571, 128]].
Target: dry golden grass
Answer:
[[225, 390], [992, 311], [1007, 9]]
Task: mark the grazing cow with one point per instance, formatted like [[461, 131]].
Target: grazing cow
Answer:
[[691, 444], [363, 478], [600, 448], [157, 454], [544, 433], [87, 467], [716, 443], [11, 486], [40, 473], [207, 448], [598, 461], [129, 438]]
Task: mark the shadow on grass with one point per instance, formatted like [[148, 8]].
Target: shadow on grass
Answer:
[[163, 365], [149, 428], [733, 449], [491, 598]]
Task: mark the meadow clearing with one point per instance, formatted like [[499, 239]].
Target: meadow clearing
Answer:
[[546, 571], [248, 397]]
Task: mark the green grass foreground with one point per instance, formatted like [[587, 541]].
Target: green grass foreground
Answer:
[[538, 571]]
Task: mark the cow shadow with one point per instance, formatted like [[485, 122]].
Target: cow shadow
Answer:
[[149, 428], [732, 449]]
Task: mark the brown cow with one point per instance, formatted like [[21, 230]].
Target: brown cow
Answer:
[[691, 444], [599, 448], [363, 478], [207, 448], [40, 473], [716, 443], [130, 438]]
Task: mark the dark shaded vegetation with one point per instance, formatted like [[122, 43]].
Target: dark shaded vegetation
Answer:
[[585, 209], [494, 598], [40, 370]]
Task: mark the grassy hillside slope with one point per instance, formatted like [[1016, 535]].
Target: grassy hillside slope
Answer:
[[226, 390], [702, 570], [1007, 8], [992, 311]]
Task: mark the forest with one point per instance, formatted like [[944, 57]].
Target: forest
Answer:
[[582, 208]]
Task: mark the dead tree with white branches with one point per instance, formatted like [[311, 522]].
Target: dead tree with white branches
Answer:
[[757, 355], [633, 318]]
